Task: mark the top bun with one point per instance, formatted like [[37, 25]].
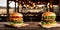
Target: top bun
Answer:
[[48, 14], [16, 14]]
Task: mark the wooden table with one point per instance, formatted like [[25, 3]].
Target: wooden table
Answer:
[[32, 26]]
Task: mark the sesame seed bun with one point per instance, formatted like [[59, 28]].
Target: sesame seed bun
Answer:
[[16, 14], [48, 14]]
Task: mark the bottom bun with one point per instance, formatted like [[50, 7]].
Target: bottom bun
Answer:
[[19, 25], [16, 25], [49, 25]]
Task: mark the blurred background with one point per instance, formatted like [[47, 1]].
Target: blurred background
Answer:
[[31, 9]]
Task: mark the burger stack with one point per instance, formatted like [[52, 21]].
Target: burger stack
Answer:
[[16, 17], [48, 19], [16, 20]]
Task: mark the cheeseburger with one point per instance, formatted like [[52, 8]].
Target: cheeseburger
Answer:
[[48, 19], [16, 19]]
